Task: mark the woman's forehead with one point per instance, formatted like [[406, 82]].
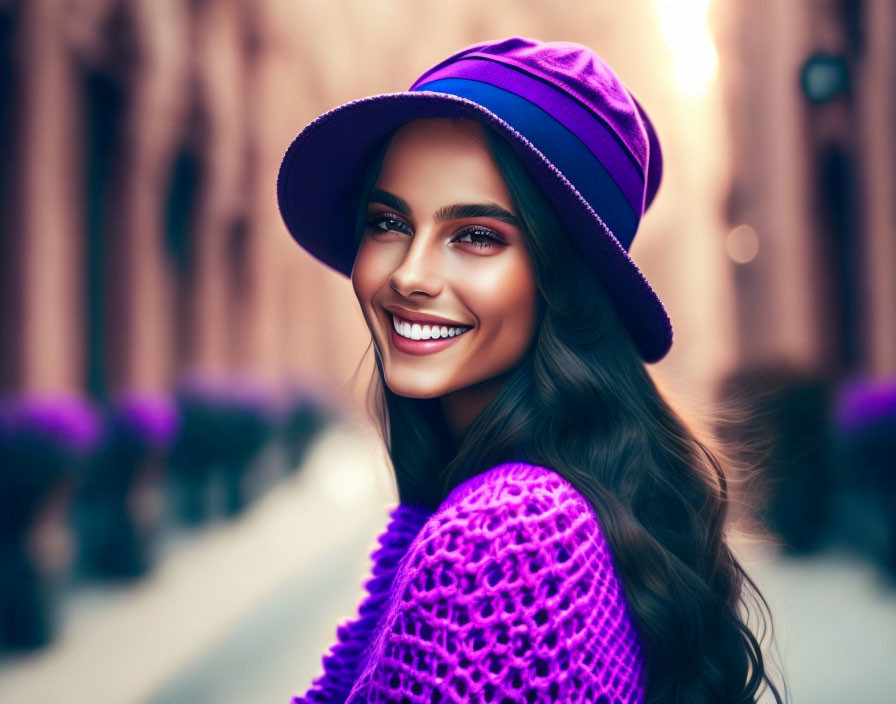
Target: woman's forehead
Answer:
[[459, 126], [435, 160]]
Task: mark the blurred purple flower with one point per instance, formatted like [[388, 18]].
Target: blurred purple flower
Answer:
[[153, 418], [71, 421], [865, 403], [243, 395]]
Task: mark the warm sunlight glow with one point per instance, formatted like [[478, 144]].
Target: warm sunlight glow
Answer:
[[686, 32]]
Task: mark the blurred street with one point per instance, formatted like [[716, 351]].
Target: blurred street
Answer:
[[291, 568], [835, 625]]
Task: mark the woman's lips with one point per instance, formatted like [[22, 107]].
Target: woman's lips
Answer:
[[408, 346]]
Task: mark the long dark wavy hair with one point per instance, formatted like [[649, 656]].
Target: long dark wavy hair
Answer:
[[582, 403]]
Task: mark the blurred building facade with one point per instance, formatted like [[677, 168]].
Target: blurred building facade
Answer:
[[137, 207], [141, 242], [812, 106], [810, 89]]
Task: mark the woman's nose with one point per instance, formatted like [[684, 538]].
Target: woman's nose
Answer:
[[418, 271]]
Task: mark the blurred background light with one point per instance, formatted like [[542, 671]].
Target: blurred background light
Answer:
[[742, 244], [685, 29], [824, 77]]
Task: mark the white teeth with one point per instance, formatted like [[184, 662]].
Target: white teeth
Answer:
[[415, 331]]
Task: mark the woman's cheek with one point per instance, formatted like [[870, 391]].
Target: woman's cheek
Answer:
[[367, 272]]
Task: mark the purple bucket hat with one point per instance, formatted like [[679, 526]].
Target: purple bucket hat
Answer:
[[584, 139]]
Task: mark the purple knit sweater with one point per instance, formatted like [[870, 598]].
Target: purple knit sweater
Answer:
[[506, 593]]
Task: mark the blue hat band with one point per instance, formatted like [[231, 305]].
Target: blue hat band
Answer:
[[563, 148]]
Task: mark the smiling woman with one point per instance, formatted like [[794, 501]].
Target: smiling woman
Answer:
[[443, 248], [560, 534]]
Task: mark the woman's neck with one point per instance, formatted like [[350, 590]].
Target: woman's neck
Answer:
[[462, 406]]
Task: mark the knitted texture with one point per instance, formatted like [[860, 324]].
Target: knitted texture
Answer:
[[507, 593]]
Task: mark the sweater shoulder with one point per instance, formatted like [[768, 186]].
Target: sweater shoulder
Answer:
[[515, 492], [509, 482], [512, 513]]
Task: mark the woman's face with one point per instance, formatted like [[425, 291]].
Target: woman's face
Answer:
[[442, 245]]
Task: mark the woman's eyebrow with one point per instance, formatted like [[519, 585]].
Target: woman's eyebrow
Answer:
[[457, 211], [380, 196]]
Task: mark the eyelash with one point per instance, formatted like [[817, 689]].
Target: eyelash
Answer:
[[375, 220]]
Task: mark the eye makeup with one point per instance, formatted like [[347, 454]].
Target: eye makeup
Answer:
[[489, 238]]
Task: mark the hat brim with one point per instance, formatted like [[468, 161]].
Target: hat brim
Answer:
[[322, 168]]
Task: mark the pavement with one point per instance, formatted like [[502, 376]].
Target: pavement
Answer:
[[242, 610]]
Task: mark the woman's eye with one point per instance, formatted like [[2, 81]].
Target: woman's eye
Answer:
[[479, 237], [385, 223]]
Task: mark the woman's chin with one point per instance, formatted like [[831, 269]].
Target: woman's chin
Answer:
[[416, 388]]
